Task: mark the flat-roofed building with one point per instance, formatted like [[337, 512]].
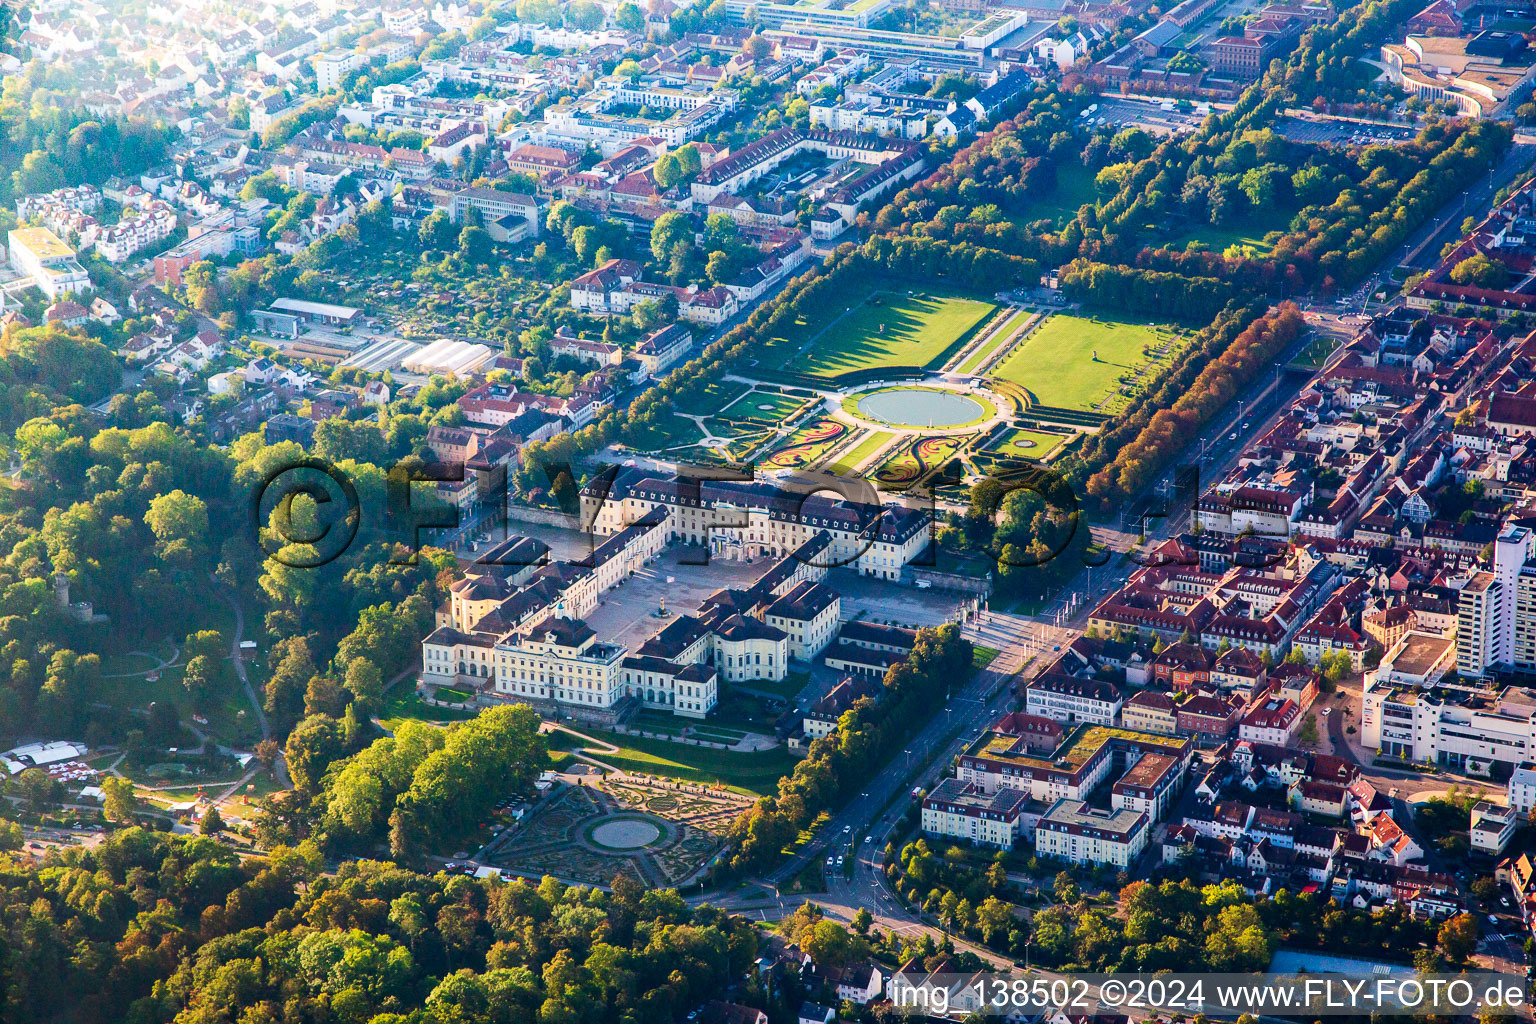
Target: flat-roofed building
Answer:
[[1467, 728], [319, 312], [960, 810], [1075, 832], [52, 265], [1005, 758], [1522, 788], [1492, 827]]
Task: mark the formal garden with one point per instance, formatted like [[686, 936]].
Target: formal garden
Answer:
[[584, 834]]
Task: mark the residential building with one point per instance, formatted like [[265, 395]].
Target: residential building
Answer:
[[961, 810], [1075, 832]]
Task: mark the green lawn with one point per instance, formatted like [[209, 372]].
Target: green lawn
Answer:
[[1057, 366], [1002, 334], [865, 448], [893, 329], [713, 398], [1219, 239], [668, 431], [732, 428], [1032, 444], [762, 407], [755, 773], [1063, 202], [409, 706], [1317, 352], [788, 687]]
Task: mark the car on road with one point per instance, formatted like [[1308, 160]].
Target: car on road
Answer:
[[1492, 919], [868, 838], [839, 860], [829, 860]]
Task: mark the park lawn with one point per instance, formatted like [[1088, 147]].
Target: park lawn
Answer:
[[410, 707], [787, 688], [128, 663], [999, 336], [713, 398], [1033, 444], [753, 773], [1056, 363], [1063, 202], [1218, 239], [767, 408], [863, 450], [1317, 352], [669, 431], [732, 429], [231, 719], [919, 328]]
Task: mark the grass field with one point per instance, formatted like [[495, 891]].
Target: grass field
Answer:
[[1317, 352], [1063, 202], [1217, 240], [917, 330], [713, 398], [863, 450], [767, 408], [1057, 363], [669, 431], [1002, 334], [755, 773], [1033, 444], [410, 707]]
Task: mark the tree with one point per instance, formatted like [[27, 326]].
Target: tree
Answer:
[[201, 678], [670, 230], [436, 231], [668, 172], [365, 683], [290, 679], [584, 15], [539, 12], [179, 522], [475, 245], [201, 281], [758, 46], [118, 801], [1457, 937], [629, 17], [212, 823], [1480, 271], [993, 917], [311, 748], [266, 753]]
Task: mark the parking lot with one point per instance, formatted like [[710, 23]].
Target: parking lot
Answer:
[[1330, 132], [1146, 115]]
